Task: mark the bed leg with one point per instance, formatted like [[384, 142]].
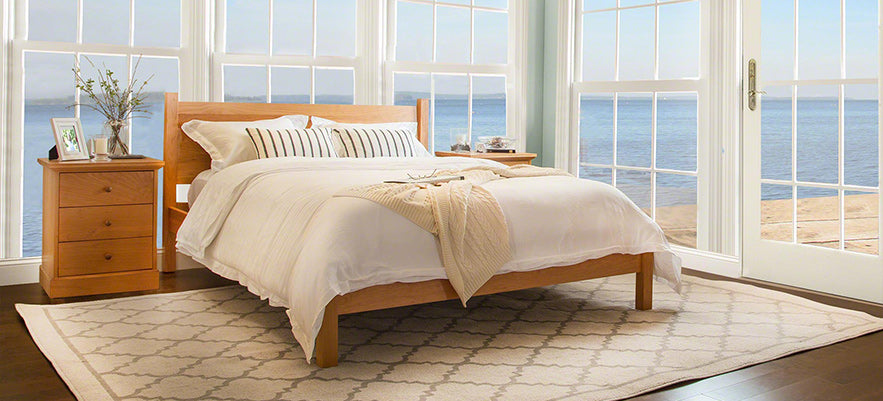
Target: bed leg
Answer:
[[326, 341], [644, 283]]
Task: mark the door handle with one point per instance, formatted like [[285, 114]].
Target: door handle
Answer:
[[752, 85]]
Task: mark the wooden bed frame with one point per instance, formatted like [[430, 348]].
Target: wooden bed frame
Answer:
[[184, 159]]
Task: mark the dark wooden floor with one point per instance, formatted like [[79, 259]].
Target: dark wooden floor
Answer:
[[850, 370]]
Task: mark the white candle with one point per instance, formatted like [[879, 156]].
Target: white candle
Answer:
[[100, 146]]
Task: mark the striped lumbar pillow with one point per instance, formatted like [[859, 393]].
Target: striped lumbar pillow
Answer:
[[376, 142], [307, 142]]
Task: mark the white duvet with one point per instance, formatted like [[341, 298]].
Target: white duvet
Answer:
[[275, 226]]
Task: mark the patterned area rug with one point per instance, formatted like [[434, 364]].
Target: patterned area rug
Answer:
[[573, 341]]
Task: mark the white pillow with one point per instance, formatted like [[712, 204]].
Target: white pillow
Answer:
[[405, 125], [228, 143]]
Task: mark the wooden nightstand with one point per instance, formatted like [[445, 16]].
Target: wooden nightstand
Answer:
[[509, 159], [99, 227]]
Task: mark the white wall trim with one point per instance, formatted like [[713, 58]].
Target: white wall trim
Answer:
[[725, 124], [729, 266], [19, 271], [369, 72], [5, 76], [563, 82]]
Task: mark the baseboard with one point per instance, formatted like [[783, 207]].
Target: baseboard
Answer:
[[27, 270], [20, 271]]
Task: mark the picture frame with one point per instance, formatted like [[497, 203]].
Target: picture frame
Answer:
[[69, 139]]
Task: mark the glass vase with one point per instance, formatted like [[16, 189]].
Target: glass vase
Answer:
[[116, 132]]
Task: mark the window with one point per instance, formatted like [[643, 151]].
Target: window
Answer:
[[455, 53], [59, 36], [638, 91], [286, 51]]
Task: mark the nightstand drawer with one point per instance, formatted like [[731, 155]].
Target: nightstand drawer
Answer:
[[110, 188], [107, 256], [105, 222]]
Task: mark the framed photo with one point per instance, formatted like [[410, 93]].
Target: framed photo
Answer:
[[69, 139]]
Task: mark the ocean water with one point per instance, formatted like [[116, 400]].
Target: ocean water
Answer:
[[676, 144]]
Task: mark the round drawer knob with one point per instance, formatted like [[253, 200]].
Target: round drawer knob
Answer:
[[108, 189], [108, 256], [107, 223]]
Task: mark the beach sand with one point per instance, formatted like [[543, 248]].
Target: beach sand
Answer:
[[817, 222]]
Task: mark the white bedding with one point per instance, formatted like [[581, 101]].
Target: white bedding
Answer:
[[197, 185], [275, 226]]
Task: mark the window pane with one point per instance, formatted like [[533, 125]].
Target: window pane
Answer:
[[862, 213], [336, 28], [52, 20], [92, 120], [629, 3], [158, 23], [818, 217], [636, 185], [147, 131], [491, 37], [49, 90], [451, 108], [633, 136], [777, 212], [589, 5], [596, 174], [599, 46], [410, 87], [636, 42], [106, 21], [334, 86], [596, 128], [676, 131], [679, 39], [861, 140], [503, 4], [777, 43], [488, 106], [245, 84], [861, 39], [293, 27], [290, 85], [817, 133], [413, 31], [775, 133], [676, 208], [818, 40], [248, 26], [452, 37]]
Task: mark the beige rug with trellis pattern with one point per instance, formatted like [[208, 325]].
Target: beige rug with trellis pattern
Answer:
[[580, 341]]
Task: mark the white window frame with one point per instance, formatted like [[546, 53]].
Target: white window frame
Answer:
[[16, 16], [719, 132], [365, 26], [514, 70]]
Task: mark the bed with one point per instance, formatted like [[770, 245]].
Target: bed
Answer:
[[185, 160]]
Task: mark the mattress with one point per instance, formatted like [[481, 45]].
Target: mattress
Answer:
[[197, 186]]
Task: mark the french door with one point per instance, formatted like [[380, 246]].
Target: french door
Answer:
[[811, 145]]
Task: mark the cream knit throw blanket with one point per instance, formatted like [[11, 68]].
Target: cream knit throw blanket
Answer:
[[467, 220]]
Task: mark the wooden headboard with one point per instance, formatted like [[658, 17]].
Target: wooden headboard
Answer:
[[184, 158]]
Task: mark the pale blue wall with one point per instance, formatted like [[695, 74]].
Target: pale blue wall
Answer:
[[536, 79]]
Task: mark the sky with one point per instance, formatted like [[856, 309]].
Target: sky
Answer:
[[157, 24]]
